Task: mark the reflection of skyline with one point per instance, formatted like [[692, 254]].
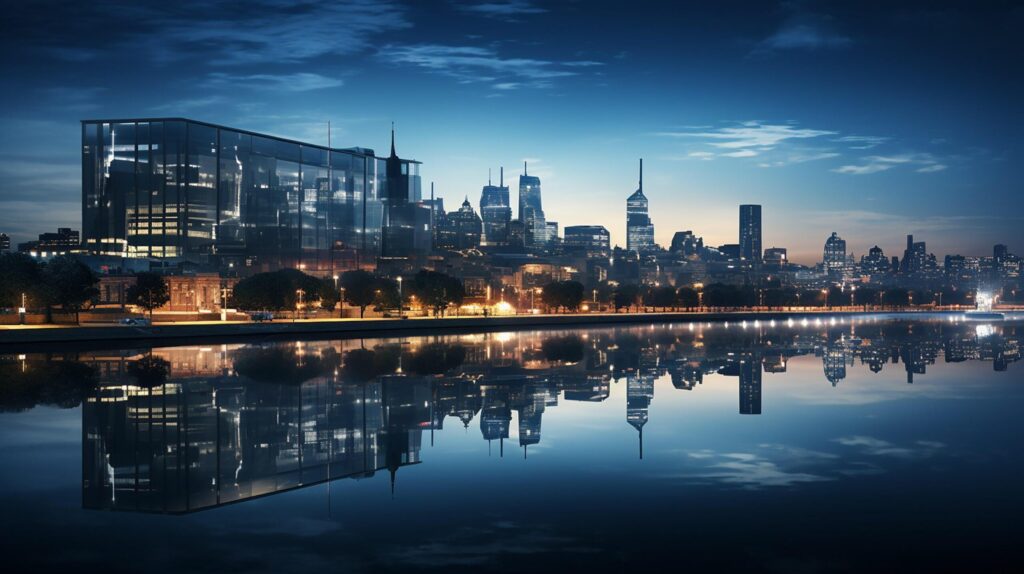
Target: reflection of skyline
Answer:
[[182, 429]]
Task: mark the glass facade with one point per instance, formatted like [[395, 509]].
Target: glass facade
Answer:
[[230, 199]]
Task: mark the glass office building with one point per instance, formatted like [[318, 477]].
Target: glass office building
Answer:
[[226, 198]]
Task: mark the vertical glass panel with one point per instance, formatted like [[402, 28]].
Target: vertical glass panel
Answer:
[[234, 184], [202, 192]]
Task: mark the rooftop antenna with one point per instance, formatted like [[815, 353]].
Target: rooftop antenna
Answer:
[[392, 139], [524, 167], [641, 175], [501, 181], [488, 177]]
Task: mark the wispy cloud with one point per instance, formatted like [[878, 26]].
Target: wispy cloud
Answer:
[[750, 134], [803, 32], [872, 446], [472, 64], [506, 10], [297, 82], [189, 104], [861, 142], [922, 162]]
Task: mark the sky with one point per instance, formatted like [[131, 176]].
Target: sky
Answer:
[[870, 119]]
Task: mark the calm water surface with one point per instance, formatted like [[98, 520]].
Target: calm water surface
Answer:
[[877, 445]]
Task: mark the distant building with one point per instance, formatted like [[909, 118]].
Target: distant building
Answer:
[[730, 251], [552, 232], [495, 212], [591, 241], [531, 211], [875, 263], [750, 233], [5, 243], [915, 256], [777, 256], [461, 229], [686, 244], [64, 241], [835, 256], [639, 229], [750, 387]]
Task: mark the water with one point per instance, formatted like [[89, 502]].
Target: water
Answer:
[[777, 448]]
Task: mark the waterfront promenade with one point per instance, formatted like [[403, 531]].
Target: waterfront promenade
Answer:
[[28, 335]]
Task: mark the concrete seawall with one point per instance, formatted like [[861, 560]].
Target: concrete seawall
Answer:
[[176, 334]]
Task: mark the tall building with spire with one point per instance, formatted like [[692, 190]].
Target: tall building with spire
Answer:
[[495, 211], [639, 229], [406, 226], [531, 212]]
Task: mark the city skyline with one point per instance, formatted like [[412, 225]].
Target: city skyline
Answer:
[[874, 129]]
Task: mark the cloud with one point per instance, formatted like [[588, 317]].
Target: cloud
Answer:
[[188, 104], [925, 163], [862, 142], [741, 153], [803, 32], [471, 64], [297, 82], [872, 446], [799, 157], [750, 134], [506, 10]]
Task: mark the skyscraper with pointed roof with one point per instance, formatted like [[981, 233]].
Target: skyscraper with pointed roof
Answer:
[[531, 212], [639, 229], [495, 211]]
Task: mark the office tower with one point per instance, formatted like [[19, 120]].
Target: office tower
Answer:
[[834, 362], [222, 197], [686, 244], [750, 386], [777, 256], [406, 228], [639, 394], [461, 229], [495, 212], [639, 229], [875, 263], [835, 256], [999, 252], [590, 241], [915, 256], [5, 243], [750, 233], [531, 212], [50, 244]]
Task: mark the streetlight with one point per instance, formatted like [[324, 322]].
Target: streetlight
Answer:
[[298, 305], [401, 307], [23, 309]]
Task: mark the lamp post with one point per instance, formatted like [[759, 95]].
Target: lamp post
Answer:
[[401, 307], [341, 311], [298, 305], [23, 309]]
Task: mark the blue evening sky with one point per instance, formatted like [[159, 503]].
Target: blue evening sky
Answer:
[[872, 119]]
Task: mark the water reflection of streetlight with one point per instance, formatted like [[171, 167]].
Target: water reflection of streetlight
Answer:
[[401, 306]]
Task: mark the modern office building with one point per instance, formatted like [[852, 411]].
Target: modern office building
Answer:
[[835, 256], [776, 256], [64, 241], [461, 229], [639, 229], [5, 243], [495, 211], [590, 241], [750, 233], [531, 211], [686, 244], [218, 197]]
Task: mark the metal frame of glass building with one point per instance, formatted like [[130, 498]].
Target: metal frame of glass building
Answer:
[[226, 198]]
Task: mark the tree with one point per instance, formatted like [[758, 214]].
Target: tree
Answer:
[[20, 275], [662, 297], [437, 290], [359, 288], [150, 371], [149, 292], [563, 294], [70, 284], [275, 291], [626, 296], [328, 295], [897, 297], [687, 298]]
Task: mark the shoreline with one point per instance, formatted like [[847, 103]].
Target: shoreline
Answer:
[[31, 338]]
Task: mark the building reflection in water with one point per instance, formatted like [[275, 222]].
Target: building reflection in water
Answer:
[[182, 429]]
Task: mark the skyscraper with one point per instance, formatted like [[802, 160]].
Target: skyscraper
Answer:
[[835, 255], [750, 233], [495, 212], [531, 213], [639, 229]]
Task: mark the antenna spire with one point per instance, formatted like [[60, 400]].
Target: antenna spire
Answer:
[[488, 177], [524, 167], [501, 181], [393, 139], [641, 175]]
